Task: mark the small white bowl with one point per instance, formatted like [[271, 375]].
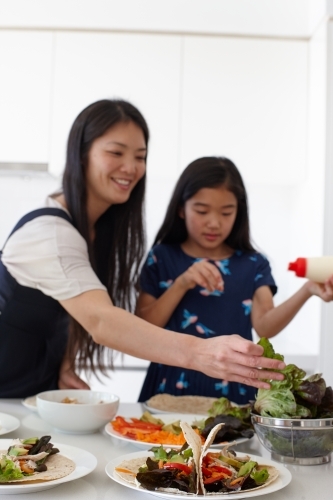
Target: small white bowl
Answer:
[[91, 412]]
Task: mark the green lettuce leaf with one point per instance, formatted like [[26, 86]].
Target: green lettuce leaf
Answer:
[[269, 350], [276, 403], [260, 476], [8, 471], [293, 397], [220, 407]]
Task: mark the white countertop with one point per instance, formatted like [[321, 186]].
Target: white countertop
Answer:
[[308, 482]]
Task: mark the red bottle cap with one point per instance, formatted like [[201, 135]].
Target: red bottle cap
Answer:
[[299, 266]]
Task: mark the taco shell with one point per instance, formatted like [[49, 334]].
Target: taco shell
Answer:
[[58, 466], [273, 473], [128, 469]]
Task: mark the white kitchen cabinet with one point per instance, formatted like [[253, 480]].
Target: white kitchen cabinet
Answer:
[[25, 94], [247, 99], [144, 69]]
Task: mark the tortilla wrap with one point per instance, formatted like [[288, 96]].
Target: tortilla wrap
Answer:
[[273, 473], [58, 466], [198, 405], [128, 469]]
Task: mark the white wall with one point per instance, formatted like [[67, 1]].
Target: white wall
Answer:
[[258, 99], [270, 18]]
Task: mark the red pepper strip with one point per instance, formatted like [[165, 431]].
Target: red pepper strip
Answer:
[[218, 468], [132, 430], [215, 477], [175, 465], [210, 457], [137, 424], [206, 472]]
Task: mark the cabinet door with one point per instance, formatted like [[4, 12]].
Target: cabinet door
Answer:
[[144, 69], [25, 91], [247, 99]]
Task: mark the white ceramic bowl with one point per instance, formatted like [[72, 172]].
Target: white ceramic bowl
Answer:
[[92, 411]]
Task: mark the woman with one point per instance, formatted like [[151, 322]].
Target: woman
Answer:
[[75, 262]]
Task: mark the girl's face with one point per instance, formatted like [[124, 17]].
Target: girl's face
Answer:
[[116, 162], [209, 218]]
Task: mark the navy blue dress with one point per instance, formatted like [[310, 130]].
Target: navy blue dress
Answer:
[[204, 314]]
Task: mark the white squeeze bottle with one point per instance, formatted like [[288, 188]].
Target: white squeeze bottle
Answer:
[[313, 268]]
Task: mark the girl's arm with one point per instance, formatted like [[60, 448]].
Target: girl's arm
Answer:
[[268, 320], [228, 357], [158, 311]]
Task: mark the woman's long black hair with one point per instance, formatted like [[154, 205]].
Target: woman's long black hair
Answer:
[[119, 244], [207, 172]]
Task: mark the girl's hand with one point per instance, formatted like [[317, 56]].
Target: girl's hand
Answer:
[[322, 290], [204, 274], [232, 358]]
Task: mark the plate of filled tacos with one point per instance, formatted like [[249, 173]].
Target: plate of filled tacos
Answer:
[[34, 464], [147, 430], [198, 470]]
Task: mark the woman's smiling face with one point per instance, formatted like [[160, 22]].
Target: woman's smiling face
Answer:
[[116, 163]]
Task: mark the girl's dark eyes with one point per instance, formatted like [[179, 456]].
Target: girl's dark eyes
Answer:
[[204, 213]]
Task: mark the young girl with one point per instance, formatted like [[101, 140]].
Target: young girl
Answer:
[[204, 278]]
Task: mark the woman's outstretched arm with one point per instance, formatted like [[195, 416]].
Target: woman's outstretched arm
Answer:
[[228, 357]]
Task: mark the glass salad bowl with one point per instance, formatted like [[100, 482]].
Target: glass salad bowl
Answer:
[[296, 441]]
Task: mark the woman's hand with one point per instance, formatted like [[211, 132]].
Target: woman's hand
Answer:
[[322, 290], [235, 359], [204, 274], [68, 379]]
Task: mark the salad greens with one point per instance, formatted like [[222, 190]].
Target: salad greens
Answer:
[[169, 469], [9, 470], [224, 407], [236, 420], [295, 396]]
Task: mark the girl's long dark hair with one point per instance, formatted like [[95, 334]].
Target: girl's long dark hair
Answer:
[[207, 172], [119, 244]]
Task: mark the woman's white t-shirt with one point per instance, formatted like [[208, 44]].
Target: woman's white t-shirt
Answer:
[[49, 254]]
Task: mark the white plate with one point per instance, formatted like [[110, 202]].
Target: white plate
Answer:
[[85, 463], [31, 403], [167, 418], [151, 409], [8, 423], [282, 481]]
